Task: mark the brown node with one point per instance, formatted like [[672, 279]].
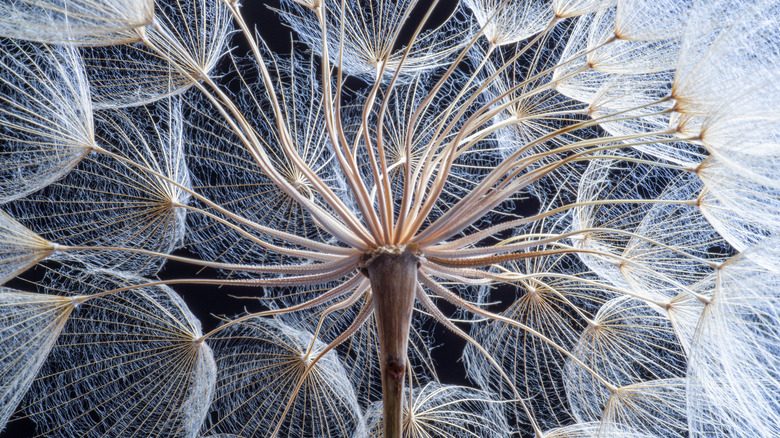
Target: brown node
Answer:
[[395, 369]]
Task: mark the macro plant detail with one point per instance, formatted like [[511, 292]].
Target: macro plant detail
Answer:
[[584, 192]]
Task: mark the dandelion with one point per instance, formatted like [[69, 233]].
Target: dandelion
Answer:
[[584, 192]]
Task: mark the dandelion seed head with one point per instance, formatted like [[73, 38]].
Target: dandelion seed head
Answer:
[[572, 203]]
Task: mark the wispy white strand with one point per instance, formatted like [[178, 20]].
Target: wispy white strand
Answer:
[[76, 21]]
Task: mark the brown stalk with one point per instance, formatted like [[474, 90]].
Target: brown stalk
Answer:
[[392, 272]]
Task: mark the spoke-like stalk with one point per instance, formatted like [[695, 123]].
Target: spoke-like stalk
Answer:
[[472, 239], [326, 267]]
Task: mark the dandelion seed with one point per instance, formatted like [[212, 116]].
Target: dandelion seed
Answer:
[[80, 21], [441, 410], [261, 365], [47, 122], [30, 325], [131, 353]]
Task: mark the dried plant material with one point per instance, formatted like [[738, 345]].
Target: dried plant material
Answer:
[[583, 193]]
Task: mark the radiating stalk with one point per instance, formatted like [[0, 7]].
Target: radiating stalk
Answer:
[[392, 272]]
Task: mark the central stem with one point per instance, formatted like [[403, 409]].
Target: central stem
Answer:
[[392, 272]]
